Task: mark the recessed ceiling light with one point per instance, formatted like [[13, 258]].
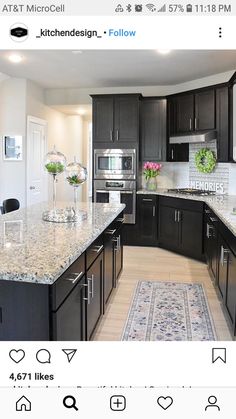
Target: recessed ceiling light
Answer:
[[15, 58], [164, 51], [81, 112]]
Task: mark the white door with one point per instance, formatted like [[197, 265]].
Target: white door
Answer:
[[37, 187]]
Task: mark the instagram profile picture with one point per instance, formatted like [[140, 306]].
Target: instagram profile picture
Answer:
[[19, 32]]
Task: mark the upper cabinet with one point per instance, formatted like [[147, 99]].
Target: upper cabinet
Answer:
[[200, 110], [222, 123], [184, 113], [116, 120], [153, 129], [195, 111], [204, 110]]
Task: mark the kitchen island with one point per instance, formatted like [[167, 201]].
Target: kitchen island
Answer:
[[52, 275]]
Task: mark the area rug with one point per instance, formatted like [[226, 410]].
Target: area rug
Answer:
[[169, 311]]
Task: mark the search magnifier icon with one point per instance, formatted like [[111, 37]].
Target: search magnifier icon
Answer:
[[70, 402]]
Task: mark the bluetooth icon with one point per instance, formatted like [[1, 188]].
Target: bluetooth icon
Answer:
[[129, 8]]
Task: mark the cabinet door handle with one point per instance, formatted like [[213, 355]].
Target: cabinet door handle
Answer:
[[97, 249], [91, 281], [117, 135], [120, 220], [195, 123], [208, 231], [190, 124], [111, 232], [179, 216], [74, 280], [224, 252], [153, 211], [147, 199], [213, 219], [172, 154], [116, 240], [175, 216], [111, 135], [88, 298]]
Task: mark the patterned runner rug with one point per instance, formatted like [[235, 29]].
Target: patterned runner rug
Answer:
[[168, 311]]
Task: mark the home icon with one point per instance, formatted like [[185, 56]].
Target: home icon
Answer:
[[23, 404]]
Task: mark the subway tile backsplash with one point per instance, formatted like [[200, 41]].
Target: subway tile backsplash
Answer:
[[182, 175], [217, 181]]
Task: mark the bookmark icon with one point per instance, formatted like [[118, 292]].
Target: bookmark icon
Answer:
[[70, 353]]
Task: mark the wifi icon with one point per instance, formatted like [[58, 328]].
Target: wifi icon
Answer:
[[151, 7]]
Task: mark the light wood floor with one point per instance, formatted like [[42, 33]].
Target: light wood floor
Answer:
[[147, 263]]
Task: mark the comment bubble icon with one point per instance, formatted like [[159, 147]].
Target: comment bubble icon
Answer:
[[43, 356]]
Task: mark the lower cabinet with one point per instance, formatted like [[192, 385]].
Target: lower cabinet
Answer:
[[181, 226], [117, 255], [94, 298], [220, 253], [210, 243], [68, 320], [231, 289], [147, 219], [70, 308]]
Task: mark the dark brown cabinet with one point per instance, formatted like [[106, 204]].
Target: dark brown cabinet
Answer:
[[71, 307], [108, 262], [222, 123], [220, 253], [103, 120], [153, 129], [195, 111], [68, 320], [147, 220], [204, 110], [175, 152], [181, 226], [115, 120], [94, 298], [185, 113], [231, 289], [210, 243], [117, 255]]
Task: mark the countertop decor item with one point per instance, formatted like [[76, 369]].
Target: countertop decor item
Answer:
[[55, 163], [151, 171], [169, 311], [205, 160], [76, 175]]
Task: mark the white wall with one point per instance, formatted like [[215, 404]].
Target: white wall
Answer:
[[13, 121]]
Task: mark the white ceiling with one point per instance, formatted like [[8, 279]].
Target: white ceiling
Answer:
[[110, 68]]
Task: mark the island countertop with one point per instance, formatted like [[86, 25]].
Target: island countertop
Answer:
[[222, 205], [37, 251]]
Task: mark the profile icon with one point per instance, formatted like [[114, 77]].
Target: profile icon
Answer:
[[212, 400], [19, 32]]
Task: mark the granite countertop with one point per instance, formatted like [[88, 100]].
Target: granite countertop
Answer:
[[37, 251], [222, 205]]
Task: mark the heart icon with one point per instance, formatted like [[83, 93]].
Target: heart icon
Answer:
[[17, 355], [165, 402]]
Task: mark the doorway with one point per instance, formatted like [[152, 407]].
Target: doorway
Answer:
[[36, 179]]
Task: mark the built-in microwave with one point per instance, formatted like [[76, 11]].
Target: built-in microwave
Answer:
[[114, 164]]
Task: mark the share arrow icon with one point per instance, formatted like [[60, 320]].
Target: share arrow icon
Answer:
[[70, 353]]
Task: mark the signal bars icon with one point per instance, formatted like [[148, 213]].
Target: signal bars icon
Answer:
[[162, 9]]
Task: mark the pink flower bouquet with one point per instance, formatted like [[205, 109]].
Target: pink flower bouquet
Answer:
[[151, 169]]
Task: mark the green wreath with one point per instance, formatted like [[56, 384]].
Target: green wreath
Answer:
[[205, 160]]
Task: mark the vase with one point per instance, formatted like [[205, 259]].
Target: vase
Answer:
[[151, 184]]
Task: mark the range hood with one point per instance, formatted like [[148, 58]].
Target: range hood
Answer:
[[194, 137]]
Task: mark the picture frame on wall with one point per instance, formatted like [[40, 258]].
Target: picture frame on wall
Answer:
[[12, 147]]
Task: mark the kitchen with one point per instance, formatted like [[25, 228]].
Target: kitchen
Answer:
[[176, 245]]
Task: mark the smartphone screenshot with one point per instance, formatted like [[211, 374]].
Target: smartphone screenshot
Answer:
[[117, 209]]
